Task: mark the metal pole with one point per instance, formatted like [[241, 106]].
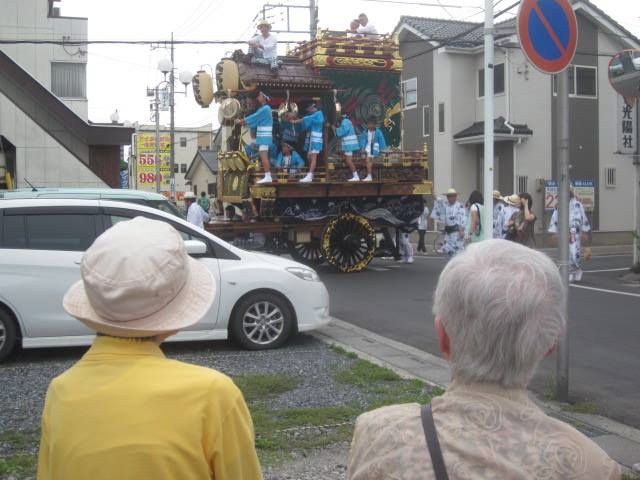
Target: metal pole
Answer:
[[487, 219], [172, 133], [157, 142], [636, 162], [313, 25], [562, 106]]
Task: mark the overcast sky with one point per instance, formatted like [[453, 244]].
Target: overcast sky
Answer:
[[118, 75]]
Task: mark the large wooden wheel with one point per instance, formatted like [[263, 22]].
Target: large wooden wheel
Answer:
[[308, 253], [348, 242]]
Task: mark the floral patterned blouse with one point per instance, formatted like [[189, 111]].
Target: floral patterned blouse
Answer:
[[485, 432]]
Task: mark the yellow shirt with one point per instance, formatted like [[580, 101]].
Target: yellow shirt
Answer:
[[124, 411]]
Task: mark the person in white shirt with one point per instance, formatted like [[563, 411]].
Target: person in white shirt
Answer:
[[195, 214], [366, 28], [423, 220], [264, 46]]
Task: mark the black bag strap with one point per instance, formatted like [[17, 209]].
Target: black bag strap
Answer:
[[433, 444]]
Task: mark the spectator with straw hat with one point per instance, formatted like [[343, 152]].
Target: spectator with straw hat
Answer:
[[124, 411]]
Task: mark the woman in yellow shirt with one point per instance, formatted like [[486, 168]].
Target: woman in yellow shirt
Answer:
[[124, 411]]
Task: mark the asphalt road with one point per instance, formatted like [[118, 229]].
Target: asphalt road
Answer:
[[394, 300]]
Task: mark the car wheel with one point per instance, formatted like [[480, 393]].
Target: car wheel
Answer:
[[262, 320], [8, 335]]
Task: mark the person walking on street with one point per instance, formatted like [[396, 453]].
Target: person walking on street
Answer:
[[473, 231], [498, 215], [262, 121], [579, 228], [347, 134], [423, 221], [124, 411], [195, 214], [499, 309], [452, 214], [203, 201]]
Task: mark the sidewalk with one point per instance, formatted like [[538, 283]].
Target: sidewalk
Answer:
[[621, 442]]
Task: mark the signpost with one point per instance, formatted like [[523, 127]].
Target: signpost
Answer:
[[548, 33]]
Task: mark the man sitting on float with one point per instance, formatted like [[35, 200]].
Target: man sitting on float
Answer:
[[264, 46], [313, 124], [288, 160], [262, 121]]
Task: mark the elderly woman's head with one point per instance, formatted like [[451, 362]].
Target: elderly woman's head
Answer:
[[499, 309]]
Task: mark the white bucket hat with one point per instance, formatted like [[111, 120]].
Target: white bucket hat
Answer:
[[189, 195], [138, 281]]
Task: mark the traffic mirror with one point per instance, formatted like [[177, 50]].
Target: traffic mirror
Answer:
[[624, 74]]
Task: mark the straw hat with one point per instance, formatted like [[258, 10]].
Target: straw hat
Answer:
[[264, 23], [189, 196], [497, 195], [451, 192], [138, 281], [513, 200]]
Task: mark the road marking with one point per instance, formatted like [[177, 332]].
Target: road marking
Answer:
[[606, 270], [605, 290]]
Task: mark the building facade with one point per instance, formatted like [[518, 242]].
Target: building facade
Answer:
[[443, 106], [188, 141], [45, 136]]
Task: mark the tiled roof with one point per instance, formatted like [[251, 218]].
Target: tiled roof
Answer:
[[451, 31], [210, 159], [499, 126]]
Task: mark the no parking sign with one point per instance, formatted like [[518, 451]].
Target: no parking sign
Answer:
[[548, 33]]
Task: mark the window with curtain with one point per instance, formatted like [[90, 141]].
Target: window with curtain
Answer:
[[69, 80]]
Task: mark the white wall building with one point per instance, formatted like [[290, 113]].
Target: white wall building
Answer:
[[444, 107], [45, 136]]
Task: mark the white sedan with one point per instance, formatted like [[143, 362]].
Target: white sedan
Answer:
[[261, 300]]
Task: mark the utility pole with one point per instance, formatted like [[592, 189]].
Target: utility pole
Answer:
[[172, 133], [562, 109], [487, 219], [156, 104], [313, 14]]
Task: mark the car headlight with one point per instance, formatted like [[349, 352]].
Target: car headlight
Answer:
[[304, 273]]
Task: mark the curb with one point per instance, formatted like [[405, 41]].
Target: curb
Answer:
[[621, 442]]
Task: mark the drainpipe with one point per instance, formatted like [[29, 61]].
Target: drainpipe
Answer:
[[508, 109]]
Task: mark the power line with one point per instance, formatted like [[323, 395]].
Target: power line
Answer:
[[422, 4]]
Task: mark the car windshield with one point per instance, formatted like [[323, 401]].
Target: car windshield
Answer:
[[166, 206]]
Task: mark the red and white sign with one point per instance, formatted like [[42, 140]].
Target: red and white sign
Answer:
[[548, 33]]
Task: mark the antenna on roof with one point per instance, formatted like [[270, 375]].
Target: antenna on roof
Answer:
[[33, 189]]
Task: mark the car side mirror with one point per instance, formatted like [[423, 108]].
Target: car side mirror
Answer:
[[195, 247]]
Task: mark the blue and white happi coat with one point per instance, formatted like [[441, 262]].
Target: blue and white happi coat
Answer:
[[451, 215], [313, 125], [347, 134], [578, 224], [262, 121]]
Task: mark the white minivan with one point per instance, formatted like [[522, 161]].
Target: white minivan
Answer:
[[261, 300]]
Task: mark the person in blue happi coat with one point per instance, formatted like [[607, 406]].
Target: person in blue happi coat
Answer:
[[288, 159], [262, 121], [313, 124], [371, 143], [350, 144]]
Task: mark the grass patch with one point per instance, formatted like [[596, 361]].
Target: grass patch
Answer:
[[257, 387], [583, 407], [384, 385], [341, 351], [18, 441], [630, 476], [19, 466]]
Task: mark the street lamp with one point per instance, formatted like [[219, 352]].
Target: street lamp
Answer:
[[165, 65]]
